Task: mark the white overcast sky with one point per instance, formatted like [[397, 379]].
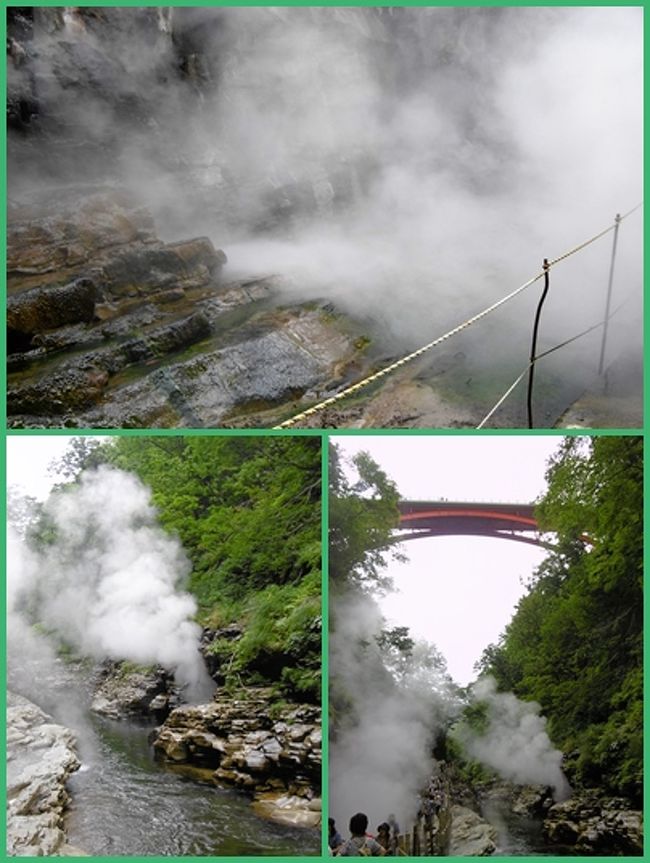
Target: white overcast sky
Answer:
[[459, 592], [28, 458]]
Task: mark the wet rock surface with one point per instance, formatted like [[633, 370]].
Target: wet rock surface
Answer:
[[590, 824], [272, 752], [470, 836], [127, 691], [110, 327], [40, 757]]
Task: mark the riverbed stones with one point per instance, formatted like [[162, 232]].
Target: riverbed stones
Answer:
[[591, 824], [471, 835], [40, 757], [257, 746]]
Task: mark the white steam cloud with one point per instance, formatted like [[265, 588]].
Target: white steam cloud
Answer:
[[465, 170], [108, 583], [381, 757], [515, 743], [422, 161]]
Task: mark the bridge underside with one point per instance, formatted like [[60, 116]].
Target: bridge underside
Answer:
[[422, 519], [402, 535]]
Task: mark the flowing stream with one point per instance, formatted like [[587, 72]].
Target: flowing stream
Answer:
[[123, 802], [126, 803], [518, 835]]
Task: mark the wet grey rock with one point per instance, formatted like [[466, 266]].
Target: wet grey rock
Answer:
[[33, 311], [163, 340], [215, 387], [266, 369], [69, 389], [80, 382], [125, 690], [179, 265], [591, 824], [471, 836], [249, 749], [40, 757]]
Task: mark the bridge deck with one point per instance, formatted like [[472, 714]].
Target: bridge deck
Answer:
[[419, 518]]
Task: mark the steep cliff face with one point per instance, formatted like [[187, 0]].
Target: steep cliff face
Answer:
[[220, 106]]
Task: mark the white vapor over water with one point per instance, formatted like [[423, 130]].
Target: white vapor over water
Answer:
[[515, 743], [109, 583], [381, 756]]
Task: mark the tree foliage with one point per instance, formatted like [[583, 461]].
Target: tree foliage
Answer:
[[362, 514], [575, 644], [247, 511]]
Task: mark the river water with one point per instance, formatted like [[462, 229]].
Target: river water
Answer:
[[518, 835], [126, 803]]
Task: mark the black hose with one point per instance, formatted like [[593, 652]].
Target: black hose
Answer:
[[533, 347]]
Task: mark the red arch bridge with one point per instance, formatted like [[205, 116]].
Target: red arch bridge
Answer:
[[426, 518]]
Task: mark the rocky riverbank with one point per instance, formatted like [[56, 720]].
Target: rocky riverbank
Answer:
[[249, 740], [40, 757], [592, 824], [110, 327], [270, 750], [588, 823]]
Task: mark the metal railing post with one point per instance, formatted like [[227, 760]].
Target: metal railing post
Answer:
[[608, 302]]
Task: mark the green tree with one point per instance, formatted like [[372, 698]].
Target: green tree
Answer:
[[247, 511], [575, 642], [80, 454], [362, 515]]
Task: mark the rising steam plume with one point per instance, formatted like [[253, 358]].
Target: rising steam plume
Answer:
[[381, 756], [109, 581], [515, 742]]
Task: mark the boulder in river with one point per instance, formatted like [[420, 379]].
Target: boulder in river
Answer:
[[268, 750], [471, 836], [126, 690], [40, 757]]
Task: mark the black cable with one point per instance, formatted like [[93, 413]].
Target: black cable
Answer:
[[550, 351], [533, 346]]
